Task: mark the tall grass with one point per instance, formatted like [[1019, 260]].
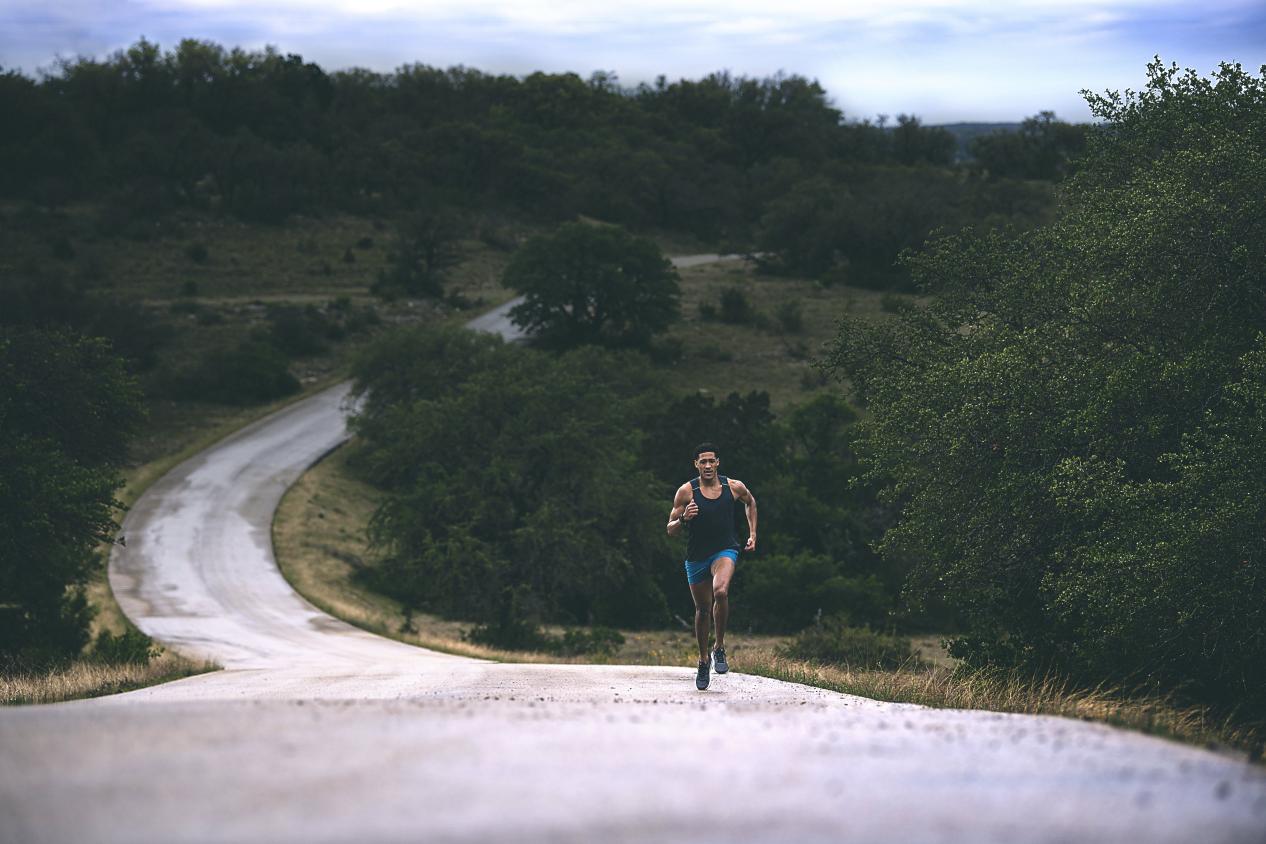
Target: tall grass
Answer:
[[89, 678], [1002, 691]]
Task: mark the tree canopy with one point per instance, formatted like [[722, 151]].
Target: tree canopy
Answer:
[[595, 285], [262, 135], [1072, 427], [67, 407]]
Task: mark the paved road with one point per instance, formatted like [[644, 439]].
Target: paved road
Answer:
[[320, 732]]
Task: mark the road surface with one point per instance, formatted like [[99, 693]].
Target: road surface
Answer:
[[319, 732]]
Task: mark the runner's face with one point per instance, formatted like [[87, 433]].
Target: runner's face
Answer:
[[707, 464]]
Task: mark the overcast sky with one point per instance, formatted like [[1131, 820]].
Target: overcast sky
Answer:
[[944, 61]]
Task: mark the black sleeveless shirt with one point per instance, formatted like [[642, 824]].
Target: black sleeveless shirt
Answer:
[[712, 530]]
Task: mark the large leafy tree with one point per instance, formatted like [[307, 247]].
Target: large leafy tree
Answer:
[[67, 406], [515, 494], [598, 285], [1073, 428]]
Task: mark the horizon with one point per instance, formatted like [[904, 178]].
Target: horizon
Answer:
[[945, 63]]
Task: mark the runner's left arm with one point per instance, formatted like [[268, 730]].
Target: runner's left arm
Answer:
[[742, 493]]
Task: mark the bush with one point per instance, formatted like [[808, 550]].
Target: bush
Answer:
[[735, 308], [252, 373], [197, 252], [600, 641], [131, 646], [783, 592], [298, 331], [834, 640], [894, 303]]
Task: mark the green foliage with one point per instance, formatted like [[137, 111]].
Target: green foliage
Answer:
[[594, 285], [781, 593], [424, 249], [514, 494], [130, 646], [197, 252], [252, 372], [262, 135], [53, 302], [851, 223], [1043, 148], [67, 408], [735, 307], [834, 640], [599, 641], [1073, 427], [307, 330]]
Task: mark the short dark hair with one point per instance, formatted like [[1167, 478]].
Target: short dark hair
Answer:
[[702, 447]]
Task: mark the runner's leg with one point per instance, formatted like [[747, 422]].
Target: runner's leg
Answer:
[[702, 593], [722, 572]]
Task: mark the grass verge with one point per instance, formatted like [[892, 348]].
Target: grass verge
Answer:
[[946, 688], [86, 678]]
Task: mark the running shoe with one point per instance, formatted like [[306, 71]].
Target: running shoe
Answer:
[[719, 656], [701, 679]]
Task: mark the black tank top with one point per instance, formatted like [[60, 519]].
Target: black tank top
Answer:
[[713, 529]]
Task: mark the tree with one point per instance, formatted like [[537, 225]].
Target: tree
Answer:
[[67, 408], [1043, 148], [424, 249], [514, 494], [1073, 428], [597, 285]]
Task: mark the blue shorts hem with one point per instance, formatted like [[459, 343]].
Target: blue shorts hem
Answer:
[[696, 572]]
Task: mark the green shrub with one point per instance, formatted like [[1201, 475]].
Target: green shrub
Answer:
[[894, 303], [600, 641], [784, 592], [131, 646], [834, 640], [735, 308], [298, 331], [251, 373], [197, 252]]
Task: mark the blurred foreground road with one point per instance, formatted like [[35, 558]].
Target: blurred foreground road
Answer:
[[319, 732]]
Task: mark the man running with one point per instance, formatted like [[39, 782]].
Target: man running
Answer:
[[706, 507]]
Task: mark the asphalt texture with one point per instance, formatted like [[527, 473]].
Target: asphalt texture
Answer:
[[319, 732]]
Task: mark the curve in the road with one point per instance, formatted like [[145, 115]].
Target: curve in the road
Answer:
[[319, 732]]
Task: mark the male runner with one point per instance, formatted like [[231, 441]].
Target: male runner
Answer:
[[706, 507]]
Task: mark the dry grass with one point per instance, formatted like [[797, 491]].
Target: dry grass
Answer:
[[946, 688], [720, 358], [85, 678]]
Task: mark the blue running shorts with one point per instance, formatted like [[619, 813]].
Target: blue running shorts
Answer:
[[696, 572]]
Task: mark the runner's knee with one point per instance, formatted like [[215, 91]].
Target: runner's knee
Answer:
[[720, 596]]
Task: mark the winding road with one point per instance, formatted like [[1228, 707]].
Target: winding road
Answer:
[[316, 731]]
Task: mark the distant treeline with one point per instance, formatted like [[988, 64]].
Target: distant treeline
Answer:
[[261, 135]]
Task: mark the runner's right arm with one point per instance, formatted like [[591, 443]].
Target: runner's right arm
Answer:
[[684, 509]]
